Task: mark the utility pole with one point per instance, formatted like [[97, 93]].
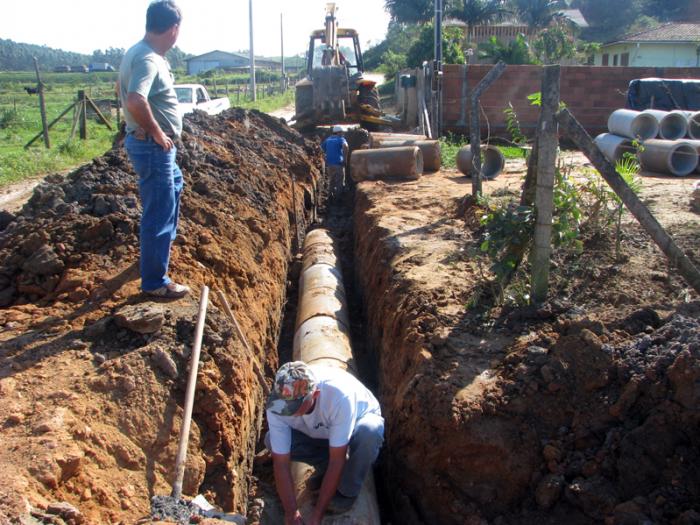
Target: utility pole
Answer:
[[437, 83], [284, 78], [252, 53]]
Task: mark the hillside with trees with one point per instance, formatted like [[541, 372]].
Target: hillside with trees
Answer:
[[15, 56], [550, 37]]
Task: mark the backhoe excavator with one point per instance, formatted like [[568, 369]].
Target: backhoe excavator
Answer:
[[335, 90]]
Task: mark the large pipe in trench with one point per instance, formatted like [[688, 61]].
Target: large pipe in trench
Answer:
[[322, 337]]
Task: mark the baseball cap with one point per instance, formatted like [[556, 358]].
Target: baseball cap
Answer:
[[294, 381], [337, 129]]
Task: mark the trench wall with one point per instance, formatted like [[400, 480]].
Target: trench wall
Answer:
[[590, 92]]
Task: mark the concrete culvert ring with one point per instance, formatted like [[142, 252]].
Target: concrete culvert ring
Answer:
[[492, 161], [678, 158], [614, 147], [673, 126], [694, 125], [633, 124]]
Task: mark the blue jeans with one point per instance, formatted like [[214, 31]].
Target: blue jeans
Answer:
[[160, 185], [363, 450]]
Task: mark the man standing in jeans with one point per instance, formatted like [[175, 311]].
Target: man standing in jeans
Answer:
[[336, 149], [316, 412], [152, 124]]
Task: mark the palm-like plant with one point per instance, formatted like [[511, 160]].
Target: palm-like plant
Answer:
[[538, 14], [476, 12]]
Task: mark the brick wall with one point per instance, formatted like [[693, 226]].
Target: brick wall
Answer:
[[590, 92]]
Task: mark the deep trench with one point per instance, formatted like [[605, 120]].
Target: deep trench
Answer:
[[337, 217]]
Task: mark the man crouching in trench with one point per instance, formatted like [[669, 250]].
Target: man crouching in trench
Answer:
[[316, 412]]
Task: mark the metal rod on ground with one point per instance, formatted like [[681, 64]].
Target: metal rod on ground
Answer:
[[38, 135], [239, 332], [475, 125], [663, 240], [189, 395], [42, 105], [548, 142]]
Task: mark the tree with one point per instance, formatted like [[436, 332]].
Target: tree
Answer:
[[399, 39], [668, 10], [476, 12], [410, 11], [553, 44], [424, 48], [514, 52], [538, 14]]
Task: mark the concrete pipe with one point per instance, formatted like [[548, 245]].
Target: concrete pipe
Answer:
[[633, 124], [672, 125], [492, 161], [376, 138], [693, 124], [429, 148], [696, 145], [614, 146], [404, 163], [678, 157], [322, 337]]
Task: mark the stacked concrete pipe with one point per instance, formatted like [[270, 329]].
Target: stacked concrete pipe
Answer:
[[673, 125], [678, 157], [693, 124], [376, 139], [322, 337], [633, 124], [696, 145], [492, 161], [614, 147], [402, 163]]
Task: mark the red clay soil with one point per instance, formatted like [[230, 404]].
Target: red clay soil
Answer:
[[92, 372], [584, 410]]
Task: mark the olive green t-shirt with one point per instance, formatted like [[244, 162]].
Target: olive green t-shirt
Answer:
[[147, 73]]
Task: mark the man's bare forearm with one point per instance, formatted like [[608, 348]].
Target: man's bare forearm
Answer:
[[140, 110], [284, 483]]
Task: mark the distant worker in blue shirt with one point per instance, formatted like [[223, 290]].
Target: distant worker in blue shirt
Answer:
[[336, 149]]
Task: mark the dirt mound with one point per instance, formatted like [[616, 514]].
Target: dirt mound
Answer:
[[581, 411], [92, 372]]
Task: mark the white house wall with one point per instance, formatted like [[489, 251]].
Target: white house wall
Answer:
[[652, 55]]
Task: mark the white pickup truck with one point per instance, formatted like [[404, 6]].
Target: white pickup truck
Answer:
[[195, 96]]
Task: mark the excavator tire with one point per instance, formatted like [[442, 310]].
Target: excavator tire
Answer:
[[369, 96]]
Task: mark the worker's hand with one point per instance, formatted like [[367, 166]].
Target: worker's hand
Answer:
[[294, 519], [163, 140]]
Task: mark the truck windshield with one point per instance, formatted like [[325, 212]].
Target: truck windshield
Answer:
[[184, 95], [347, 53]]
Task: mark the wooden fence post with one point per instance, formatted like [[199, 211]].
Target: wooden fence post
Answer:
[[663, 240], [42, 105], [548, 142], [83, 133], [475, 125]]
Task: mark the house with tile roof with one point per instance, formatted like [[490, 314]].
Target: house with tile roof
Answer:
[[669, 45]]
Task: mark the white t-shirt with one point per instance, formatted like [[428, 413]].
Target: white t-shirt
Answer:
[[342, 401]]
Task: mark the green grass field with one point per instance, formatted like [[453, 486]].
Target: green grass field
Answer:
[[20, 120]]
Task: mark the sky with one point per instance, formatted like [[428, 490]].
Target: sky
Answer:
[[85, 25]]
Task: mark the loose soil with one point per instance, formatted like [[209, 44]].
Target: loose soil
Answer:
[[92, 372], [584, 410]]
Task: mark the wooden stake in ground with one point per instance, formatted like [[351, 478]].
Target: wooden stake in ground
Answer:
[[42, 104], [548, 142], [475, 124], [189, 395], [83, 115], [663, 240]]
